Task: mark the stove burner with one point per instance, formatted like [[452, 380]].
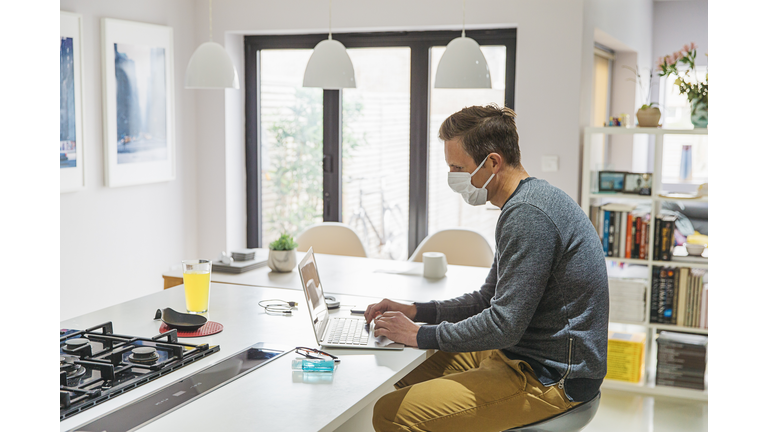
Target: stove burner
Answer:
[[73, 344], [144, 355], [67, 364]]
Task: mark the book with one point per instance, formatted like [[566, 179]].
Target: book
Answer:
[[240, 266], [643, 249], [612, 234], [704, 297], [656, 238], [667, 238], [629, 237], [669, 294], [682, 297], [593, 217], [618, 207], [655, 285], [606, 228], [622, 234], [675, 295]]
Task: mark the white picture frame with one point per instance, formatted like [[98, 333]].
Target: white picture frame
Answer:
[[138, 100], [71, 131]]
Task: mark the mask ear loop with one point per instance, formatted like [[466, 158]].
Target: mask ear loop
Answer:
[[479, 166]]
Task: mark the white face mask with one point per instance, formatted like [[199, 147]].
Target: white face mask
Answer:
[[461, 182]]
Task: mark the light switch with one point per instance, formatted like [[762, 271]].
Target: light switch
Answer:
[[549, 163]]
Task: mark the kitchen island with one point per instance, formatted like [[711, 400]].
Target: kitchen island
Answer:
[[271, 397]]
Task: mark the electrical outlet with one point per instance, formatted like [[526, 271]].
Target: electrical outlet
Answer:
[[549, 163]]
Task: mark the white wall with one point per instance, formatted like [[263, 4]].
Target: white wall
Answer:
[[116, 242], [677, 23]]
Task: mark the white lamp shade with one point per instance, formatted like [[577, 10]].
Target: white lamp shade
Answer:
[[329, 67], [463, 65], [211, 68]]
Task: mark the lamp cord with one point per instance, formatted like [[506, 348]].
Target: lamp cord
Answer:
[[210, 20], [330, 8], [463, 16]]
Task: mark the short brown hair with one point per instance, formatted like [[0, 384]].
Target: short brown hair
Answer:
[[483, 130]]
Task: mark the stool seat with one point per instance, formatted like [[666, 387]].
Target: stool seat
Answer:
[[573, 420]]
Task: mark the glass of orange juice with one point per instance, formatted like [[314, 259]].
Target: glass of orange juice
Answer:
[[197, 285]]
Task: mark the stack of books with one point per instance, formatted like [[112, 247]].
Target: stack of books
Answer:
[[625, 356], [679, 296], [627, 300], [624, 232], [244, 255], [681, 360], [664, 238]]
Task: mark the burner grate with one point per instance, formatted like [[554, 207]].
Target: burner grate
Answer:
[[106, 365]]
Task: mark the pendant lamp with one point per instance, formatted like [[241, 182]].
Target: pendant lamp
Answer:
[[463, 65], [210, 66], [329, 67]]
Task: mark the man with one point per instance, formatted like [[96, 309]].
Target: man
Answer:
[[532, 341]]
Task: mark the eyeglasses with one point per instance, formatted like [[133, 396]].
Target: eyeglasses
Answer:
[[315, 354]]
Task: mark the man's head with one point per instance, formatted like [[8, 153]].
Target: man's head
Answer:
[[482, 130], [483, 141]]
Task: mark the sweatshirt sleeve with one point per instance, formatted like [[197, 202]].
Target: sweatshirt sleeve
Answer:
[[497, 318]]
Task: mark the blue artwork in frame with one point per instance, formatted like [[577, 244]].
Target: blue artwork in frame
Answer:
[[67, 117]]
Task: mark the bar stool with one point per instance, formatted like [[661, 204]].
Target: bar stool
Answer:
[[573, 420]]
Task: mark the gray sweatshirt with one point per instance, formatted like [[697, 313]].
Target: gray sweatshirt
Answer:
[[545, 299]]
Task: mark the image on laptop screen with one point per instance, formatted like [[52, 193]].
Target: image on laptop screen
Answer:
[[313, 290]]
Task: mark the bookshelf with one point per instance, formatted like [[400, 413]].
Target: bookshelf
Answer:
[[591, 197]]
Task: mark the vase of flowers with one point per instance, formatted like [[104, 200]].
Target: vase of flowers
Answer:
[[682, 64]]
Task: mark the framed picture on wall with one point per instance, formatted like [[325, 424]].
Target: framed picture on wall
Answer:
[[71, 142], [139, 145]]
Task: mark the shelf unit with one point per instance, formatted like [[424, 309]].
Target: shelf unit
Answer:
[[588, 197]]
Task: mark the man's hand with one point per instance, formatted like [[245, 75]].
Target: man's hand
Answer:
[[397, 327], [385, 305]]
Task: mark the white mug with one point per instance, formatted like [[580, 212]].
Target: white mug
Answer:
[[435, 264]]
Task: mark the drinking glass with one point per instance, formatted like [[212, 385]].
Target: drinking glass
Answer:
[[197, 285]]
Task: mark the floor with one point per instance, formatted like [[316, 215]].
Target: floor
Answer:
[[618, 412], [630, 412]]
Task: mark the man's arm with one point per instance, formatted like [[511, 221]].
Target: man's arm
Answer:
[[526, 251], [461, 307]]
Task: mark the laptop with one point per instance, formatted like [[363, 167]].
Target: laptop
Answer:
[[336, 332]]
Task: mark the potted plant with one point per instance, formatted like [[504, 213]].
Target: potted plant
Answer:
[[282, 254], [689, 85], [649, 114]]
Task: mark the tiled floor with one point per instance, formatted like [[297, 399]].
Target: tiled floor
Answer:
[[628, 412]]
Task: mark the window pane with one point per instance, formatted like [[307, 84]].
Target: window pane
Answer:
[[446, 208], [682, 165], [376, 149], [292, 145]]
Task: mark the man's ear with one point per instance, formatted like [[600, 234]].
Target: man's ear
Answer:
[[496, 161]]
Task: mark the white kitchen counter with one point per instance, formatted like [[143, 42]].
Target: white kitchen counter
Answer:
[[365, 277], [268, 398]]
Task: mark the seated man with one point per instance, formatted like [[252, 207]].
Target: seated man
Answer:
[[532, 341]]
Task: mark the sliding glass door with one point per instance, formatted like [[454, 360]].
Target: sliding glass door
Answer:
[[369, 156]]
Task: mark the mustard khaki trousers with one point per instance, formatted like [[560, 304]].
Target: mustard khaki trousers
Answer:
[[468, 392]]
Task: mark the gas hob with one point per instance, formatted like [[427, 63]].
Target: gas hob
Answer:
[[97, 364]]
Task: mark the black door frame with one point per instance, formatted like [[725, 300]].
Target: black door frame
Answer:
[[419, 43]]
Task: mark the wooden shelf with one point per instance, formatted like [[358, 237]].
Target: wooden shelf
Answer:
[[643, 130], [602, 195], [681, 329]]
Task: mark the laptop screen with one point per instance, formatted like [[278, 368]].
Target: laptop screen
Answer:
[[313, 291]]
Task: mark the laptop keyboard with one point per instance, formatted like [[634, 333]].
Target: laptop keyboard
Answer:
[[348, 331]]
